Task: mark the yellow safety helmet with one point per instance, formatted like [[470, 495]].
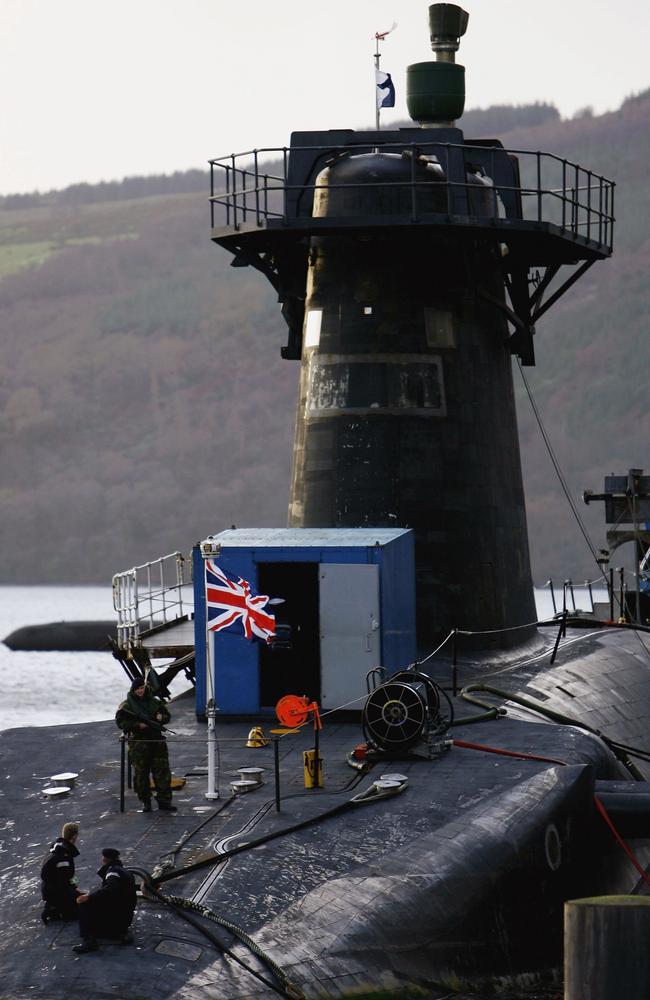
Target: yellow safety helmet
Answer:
[[256, 738]]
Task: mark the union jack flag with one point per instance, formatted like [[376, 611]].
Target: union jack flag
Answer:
[[227, 602]]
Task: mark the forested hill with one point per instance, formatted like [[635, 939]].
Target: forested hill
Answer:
[[144, 404]]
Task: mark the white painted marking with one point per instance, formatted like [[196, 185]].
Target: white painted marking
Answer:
[[312, 327]]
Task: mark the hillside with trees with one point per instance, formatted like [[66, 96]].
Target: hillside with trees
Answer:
[[144, 403]]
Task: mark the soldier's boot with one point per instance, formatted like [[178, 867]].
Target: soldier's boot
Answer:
[[146, 806], [50, 913], [167, 807], [88, 944]]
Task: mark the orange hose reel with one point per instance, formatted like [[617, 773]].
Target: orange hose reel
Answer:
[[293, 710]]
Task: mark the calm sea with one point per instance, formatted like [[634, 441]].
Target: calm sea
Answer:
[[47, 689]]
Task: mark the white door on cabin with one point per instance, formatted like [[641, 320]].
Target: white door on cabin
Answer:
[[350, 643]]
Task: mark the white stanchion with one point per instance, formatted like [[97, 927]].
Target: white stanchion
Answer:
[[212, 792]]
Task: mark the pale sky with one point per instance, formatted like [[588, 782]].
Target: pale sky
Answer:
[[92, 90]]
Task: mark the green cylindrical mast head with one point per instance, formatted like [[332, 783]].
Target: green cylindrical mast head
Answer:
[[435, 91]]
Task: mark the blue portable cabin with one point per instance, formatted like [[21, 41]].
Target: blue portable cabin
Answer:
[[349, 600]]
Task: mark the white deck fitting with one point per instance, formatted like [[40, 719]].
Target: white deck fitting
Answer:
[[65, 778], [56, 791]]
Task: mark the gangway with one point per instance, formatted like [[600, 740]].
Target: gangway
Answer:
[[154, 603]]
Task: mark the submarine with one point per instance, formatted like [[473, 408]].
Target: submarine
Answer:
[[63, 636], [408, 782]]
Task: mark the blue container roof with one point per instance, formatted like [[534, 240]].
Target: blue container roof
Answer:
[[255, 538]]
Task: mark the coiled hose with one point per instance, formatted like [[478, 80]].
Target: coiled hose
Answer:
[[185, 907]]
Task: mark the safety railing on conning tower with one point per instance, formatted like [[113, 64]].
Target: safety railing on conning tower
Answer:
[[156, 593], [254, 187]]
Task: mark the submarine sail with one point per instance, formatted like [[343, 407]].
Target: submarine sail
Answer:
[[403, 258]]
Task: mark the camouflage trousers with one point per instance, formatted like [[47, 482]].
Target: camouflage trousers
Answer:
[[151, 758]]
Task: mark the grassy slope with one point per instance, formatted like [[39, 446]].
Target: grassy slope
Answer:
[[144, 404], [593, 351]]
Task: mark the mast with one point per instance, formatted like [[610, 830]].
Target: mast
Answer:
[[379, 37]]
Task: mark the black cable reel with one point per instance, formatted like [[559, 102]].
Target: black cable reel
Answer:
[[404, 714]]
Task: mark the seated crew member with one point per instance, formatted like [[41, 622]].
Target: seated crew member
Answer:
[[143, 718], [57, 877], [108, 911]]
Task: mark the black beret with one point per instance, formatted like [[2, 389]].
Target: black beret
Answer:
[[138, 682], [110, 853]]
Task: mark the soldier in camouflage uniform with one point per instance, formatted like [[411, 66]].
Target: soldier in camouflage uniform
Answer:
[[143, 717]]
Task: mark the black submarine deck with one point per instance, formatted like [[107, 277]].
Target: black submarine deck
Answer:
[[313, 899]]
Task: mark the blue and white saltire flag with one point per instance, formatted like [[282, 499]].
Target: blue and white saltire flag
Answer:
[[385, 89]]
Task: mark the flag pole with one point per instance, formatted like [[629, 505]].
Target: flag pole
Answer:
[[213, 791], [377, 58], [379, 37], [211, 709]]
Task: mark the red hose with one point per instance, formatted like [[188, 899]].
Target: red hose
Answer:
[[506, 753], [603, 812], [552, 760]]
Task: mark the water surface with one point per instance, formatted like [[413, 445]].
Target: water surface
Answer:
[[55, 688]]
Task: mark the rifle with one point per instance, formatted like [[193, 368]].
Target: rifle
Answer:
[[153, 723]]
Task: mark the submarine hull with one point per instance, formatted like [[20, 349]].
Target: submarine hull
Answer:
[[459, 880], [83, 635]]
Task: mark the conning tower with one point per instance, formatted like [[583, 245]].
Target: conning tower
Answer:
[[411, 264]]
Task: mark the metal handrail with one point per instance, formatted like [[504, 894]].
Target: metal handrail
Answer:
[[585, 198], [569, 588], [150, 594]]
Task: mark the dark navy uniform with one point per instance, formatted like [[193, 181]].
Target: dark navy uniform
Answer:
[[57, 888], [108, 911]]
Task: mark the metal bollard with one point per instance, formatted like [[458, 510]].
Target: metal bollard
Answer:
[[606, 954]]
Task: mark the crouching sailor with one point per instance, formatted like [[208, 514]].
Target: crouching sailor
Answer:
[[108, 911], [143, 718], [57, 877]]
